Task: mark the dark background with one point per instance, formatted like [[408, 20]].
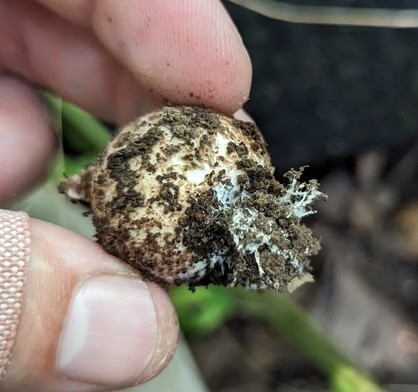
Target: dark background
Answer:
[[343, 100], [323, 92]]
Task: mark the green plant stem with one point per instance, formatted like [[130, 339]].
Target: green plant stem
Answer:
[[78, 129], [55, 112], [280, 312], [81, 130], [284, 316]]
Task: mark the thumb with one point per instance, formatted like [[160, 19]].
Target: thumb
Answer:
[[72, 317]]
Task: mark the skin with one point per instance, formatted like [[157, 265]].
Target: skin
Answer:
[[117, 60]]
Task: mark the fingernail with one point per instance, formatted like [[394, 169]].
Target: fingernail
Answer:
[[111, 332]]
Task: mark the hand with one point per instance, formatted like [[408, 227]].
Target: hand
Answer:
[[87, 321]]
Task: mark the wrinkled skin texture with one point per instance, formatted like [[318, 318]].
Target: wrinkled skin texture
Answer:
[[56, 45]]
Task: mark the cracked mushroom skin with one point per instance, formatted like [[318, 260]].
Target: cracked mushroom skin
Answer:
[[187, 195]]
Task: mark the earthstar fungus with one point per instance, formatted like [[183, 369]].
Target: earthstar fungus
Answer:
[[187, 195]]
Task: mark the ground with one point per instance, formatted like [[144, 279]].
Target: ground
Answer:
[[343, 100]]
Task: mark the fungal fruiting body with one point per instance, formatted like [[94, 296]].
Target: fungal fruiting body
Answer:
[[187, 195]]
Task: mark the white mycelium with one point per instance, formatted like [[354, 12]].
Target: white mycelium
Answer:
[[188, 195]]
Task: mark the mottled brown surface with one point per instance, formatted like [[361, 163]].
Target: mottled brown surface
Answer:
[[146, 213]]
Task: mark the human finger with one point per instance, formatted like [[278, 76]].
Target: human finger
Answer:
[[27, 140], [186, 52], [87, 322]]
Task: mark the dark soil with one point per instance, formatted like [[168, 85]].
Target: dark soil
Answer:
[[344, 101], [205, 225]]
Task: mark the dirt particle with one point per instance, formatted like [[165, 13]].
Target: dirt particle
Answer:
[[173, 201], [240, 149]]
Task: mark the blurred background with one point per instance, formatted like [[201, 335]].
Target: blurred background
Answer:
[[343, 100]]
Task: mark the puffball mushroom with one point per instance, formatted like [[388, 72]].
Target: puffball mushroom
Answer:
[[188, 195]]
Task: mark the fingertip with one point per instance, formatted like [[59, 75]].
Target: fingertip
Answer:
[[186, 52], [88, 321], [117, 333], [168, 332], [27, 141]]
